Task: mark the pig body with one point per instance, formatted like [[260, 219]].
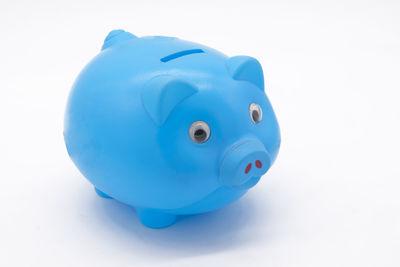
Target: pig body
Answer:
[[170, 127]]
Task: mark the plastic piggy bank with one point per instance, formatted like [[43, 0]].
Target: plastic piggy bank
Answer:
[[170, 127]]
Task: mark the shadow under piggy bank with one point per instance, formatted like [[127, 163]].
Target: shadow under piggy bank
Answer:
[[224, 229]]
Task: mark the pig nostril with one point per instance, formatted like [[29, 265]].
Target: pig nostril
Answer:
[[246, 171], [258, 164]]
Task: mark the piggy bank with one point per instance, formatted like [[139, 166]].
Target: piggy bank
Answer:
[[170, 127]]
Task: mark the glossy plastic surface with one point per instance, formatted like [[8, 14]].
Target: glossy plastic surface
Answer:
[[128, 118]]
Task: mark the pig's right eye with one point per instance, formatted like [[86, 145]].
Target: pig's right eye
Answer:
[[199, 132]]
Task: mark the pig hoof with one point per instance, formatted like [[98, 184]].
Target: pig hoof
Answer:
[[100, 193], [155, 219]]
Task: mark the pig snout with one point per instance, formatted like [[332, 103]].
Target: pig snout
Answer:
[[244, 164]]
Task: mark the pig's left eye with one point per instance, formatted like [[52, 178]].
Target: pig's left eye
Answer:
[[199, 132], [255, 113]]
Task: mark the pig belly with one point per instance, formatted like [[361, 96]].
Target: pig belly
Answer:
[[219, 198]]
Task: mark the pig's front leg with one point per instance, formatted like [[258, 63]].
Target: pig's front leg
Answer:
[[155, 219], [101, 193]]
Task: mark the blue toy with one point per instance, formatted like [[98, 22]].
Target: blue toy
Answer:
[[170, 127]]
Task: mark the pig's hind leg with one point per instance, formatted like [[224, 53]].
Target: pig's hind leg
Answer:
[[101, 193], [155, 219]]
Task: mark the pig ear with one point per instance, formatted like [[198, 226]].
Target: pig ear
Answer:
[[115, 37], [244, 68], [162, 94]]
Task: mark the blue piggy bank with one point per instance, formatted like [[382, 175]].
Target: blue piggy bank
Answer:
[[170, 127]]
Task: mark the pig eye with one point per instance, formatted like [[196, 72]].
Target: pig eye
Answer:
[[255, 113], [199, 132]]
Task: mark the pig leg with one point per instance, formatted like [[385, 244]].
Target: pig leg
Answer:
[[155, 219], [102, 194]]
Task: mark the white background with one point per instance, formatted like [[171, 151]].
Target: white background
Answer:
[[333, 197]]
